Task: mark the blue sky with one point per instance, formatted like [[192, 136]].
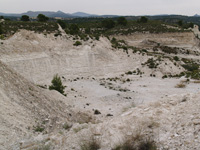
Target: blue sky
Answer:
[[101, 7]]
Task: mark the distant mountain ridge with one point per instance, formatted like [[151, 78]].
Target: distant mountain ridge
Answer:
[[196, 15], [51, 14], [73, 15]]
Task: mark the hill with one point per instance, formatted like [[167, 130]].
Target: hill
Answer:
[[126, 86], [25, 108]]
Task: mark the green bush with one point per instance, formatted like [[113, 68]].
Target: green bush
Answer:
[[57, 84], [165, 76], [39, 129], [176, 58], [77, 43]]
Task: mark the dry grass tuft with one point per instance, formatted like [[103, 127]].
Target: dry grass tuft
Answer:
[[197, 81], [137, 142], [93, 143], [180, 85]]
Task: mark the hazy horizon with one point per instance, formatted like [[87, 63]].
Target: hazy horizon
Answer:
[[104, 7]]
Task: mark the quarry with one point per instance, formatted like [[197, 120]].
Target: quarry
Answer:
[[147, 91]]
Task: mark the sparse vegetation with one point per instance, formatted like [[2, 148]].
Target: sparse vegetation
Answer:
[[120, 44], [10, 27], [193, 74], [39, 128], [191, 66], [151, 63]]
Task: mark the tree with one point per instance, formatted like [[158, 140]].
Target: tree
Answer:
[[57, 84], [143, 20], [42, 18], [190, 25], [1, 17], [61, 23], [1, 31], [73, 29], [180, 22], [122, 21], [25, 18], [108, 23]]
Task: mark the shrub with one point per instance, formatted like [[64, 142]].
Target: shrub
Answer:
[[57, 84], [169, 50], [151, 63], [165, 76], [191, 67], [39, 129], [129, 73], [176, 58], [194, 74], [77, 43]]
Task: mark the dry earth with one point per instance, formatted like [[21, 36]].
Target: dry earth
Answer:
[[96, 79]]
